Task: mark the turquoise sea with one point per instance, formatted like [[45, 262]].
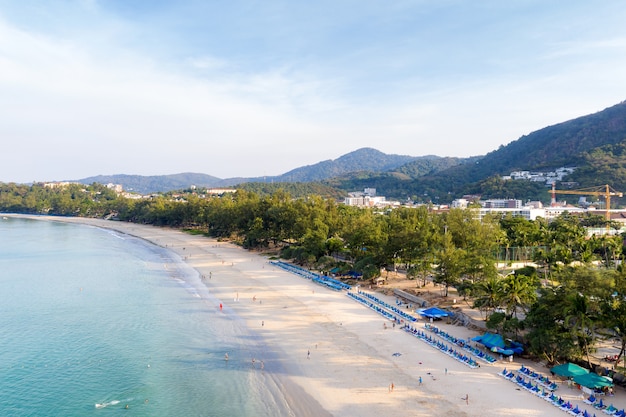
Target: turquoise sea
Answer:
[[92, 321]]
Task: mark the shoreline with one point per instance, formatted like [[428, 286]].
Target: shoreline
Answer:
[[352, 364]]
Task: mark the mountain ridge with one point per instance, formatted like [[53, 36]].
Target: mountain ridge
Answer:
[[596, 143], [363, 159]]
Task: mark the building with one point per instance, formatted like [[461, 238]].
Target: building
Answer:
[[499, 203], [115, 187], [368, 198], [549, 177], [461, 203], [527, 212], [364, 201]]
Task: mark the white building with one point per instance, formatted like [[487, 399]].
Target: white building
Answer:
[[459, 203], [502, 203], [364, 201], [529, 213], [548, 177]]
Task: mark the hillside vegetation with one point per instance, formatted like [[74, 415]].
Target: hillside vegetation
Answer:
[[594, 144]]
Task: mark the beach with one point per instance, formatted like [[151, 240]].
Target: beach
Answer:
[[330, 355]]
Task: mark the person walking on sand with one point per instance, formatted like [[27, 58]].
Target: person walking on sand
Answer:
[[420, 380], [308, 354], [467, 399]]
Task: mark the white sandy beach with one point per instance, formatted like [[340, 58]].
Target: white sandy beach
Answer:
[[351, 364]]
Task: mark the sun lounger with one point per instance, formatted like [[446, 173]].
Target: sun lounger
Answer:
[[552, 398], [575, 411]]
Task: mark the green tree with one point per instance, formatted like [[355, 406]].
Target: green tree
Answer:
[[488, 294], [548, 336], [519, 292], [614, 311], [580, 318], [450, 264]]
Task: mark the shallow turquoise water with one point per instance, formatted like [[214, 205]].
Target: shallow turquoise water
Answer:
[[89, 316]]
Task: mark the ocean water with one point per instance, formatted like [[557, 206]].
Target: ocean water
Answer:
[[92, 321]]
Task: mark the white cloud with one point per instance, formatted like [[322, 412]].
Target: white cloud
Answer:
[[207, 63], [127, 109], [93, 105]]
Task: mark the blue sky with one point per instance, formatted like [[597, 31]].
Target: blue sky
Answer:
[[254, 88]]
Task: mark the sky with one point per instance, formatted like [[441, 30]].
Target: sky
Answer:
[[246, 88]]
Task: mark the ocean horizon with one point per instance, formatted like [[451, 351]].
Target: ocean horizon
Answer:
[[94, 321]]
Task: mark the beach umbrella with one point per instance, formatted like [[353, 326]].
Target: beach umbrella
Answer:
[[569, 370], [490, 340], [433, 312], [591, 380]]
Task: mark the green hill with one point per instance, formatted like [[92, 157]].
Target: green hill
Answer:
[[364, 159], [594, 144], [155, 183]]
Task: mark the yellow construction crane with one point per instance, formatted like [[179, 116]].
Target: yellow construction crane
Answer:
[[602, 190]]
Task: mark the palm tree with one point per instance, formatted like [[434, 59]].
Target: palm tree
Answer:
[[489, 293], [580, 318], [518, 292]]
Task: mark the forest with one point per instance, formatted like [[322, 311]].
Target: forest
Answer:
[[573, 297]]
